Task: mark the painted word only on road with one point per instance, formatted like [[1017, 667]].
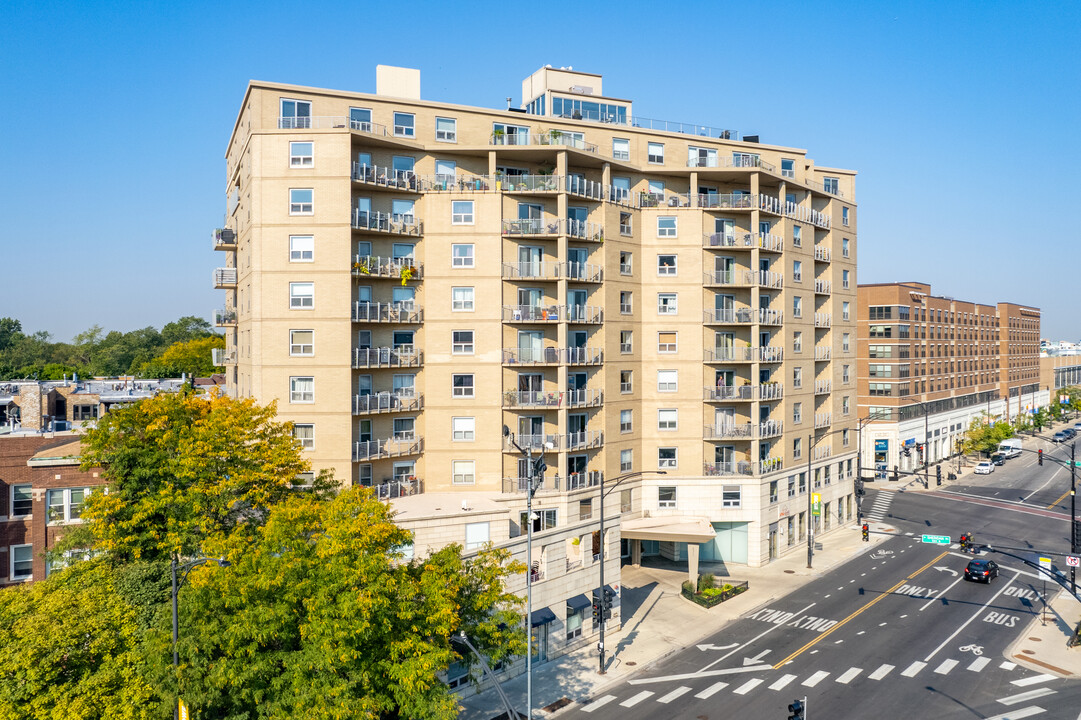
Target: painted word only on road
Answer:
[[800, 622]]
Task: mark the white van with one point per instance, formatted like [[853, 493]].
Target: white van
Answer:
[[1010, 448]]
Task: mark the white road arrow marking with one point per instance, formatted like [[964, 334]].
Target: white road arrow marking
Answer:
[[754, 660], [941, 568], [717, 647]]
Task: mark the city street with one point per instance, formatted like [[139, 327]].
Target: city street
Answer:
[[896, 632]]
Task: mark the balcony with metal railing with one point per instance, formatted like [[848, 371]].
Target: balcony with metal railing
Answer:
[[728, 469], [821, 452], [223, 356], [582, 480], [584, 439], [770, 465], [381, 222], [822, 253], [393, 268], [823, 420], [583, 398], [387, 357], [533, 313], [584, 314], [533, 227], [823, 353], [395, 446], [583, 272], [744, 393], [225, 317], [548, 484], [728, 431], [553, 356], [736, 160], [393, 312], [583, 188], [224, 239], [467, 183], [539, 270], [552, 137], [529, 184], [402, 487], [823, 287], [384, 177], [823, 387], [324, 122], [225, 278], [585, 230], [540, 442], [823, 320], [727, 201], [766, 354], [532, 399], [770, 428], [387, 402]]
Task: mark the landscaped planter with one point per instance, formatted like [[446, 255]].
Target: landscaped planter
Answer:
[[711, 594]]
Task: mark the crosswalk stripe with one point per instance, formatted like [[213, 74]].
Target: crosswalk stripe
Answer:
[[711, 690], [599, 702], [1026, 696], [781, 682], [674, 694], [748, 686], [632, 701], [816, 678], [1019, 714], [1007, 665], [946, 666], [1025, 682], [881, 672], [848, 675], [914, 668], [979, 664]]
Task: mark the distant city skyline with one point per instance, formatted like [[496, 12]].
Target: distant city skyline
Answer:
[[115, 176]]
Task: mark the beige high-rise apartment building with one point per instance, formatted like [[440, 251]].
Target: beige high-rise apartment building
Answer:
[[407, 277]]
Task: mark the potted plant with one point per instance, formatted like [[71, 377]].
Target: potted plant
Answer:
[[407, 273], [497, 136], [361, 266]]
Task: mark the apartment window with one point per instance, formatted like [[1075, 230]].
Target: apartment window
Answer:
[[463, 429], [301, 248], [305, 435], [666, 457], [667, 381], [844, 342], [301, 343], [667, 304], [22, 501], [730, 496], [461, 299], [797, 236], [64, 505], [666, 226], [656, 189], [844, 438], [461, 386], [666, 264], [462, 255], [830, 185], [844, 373], [797, 413], [360, 119], [797, 306], [797, 341], [621, 149], [401, 211], [797, 448], [626, 460], [301, 201], [845, 307], [625, 381], [803, 482], [666, 496], [667, 419], [301, 154], [625, 259], [797, 377], [301, 389], [626, 344], [626, 421], [301, 295], [625, 303], [844, 216], [446, 129], [295, 114], [845, 406], [788, 168], [667, 342], [461, 342], [844, 279], [797, 271], [84, 412], [461, 212], [476, 534], [404, 124], [844, 247], [22, 562], [655, 153]]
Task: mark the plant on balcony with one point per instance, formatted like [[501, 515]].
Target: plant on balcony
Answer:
[[407, 273], [497, 136], [361, 267], [599, 236]]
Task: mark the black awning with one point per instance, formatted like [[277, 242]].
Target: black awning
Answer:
[[542, 617], [579, 602]]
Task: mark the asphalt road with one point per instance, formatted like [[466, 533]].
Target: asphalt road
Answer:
[[894, 633]]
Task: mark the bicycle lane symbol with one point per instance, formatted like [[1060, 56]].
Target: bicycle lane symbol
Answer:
[[974, 649]]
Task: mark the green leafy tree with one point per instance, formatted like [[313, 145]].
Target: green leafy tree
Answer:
[[321, 616], [193, 357], [186, 328], [10, 332], [68, 649], [182, 468], [983, 436]]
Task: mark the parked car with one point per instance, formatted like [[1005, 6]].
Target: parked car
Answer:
[[998, 459], [985, 468], [1077, 426], [1060, 436], [1070, 432], [981, 570]]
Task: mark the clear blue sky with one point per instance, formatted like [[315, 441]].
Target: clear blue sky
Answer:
[[961, 119]]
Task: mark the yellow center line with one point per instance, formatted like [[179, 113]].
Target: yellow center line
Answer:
[[1064, 495], [821, 637]]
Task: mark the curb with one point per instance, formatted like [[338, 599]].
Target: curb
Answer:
[[1011, 652]]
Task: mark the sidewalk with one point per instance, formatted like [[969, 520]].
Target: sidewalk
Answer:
[[1042, 645], [658, 621]]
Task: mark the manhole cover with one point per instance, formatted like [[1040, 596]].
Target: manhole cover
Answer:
[[1029, 652], [1036, 639], [560, 703], [631, 663], [790, 572]]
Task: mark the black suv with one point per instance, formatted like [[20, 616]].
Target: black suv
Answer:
[[998, 459], [981, 571]]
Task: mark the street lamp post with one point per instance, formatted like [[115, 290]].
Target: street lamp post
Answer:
[[615, 481], [186, 568], [811, 444], [1073, 514], [534, 478]]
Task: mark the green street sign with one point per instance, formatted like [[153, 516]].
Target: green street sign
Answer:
[[937, 539]]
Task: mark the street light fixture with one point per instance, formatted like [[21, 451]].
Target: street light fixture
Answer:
[[186, 568], [603, 493]]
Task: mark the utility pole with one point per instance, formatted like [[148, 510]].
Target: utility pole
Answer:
[[1073, 513]]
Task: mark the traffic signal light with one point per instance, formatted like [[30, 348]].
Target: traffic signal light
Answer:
[[938, 474], [1040, 455], [796, 710], [596, 606], [896, 477], [866, 534], [964, 543], [606, 600], [907, 452]]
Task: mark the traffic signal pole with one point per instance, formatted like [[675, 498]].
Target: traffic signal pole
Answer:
[[1073, 514]]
